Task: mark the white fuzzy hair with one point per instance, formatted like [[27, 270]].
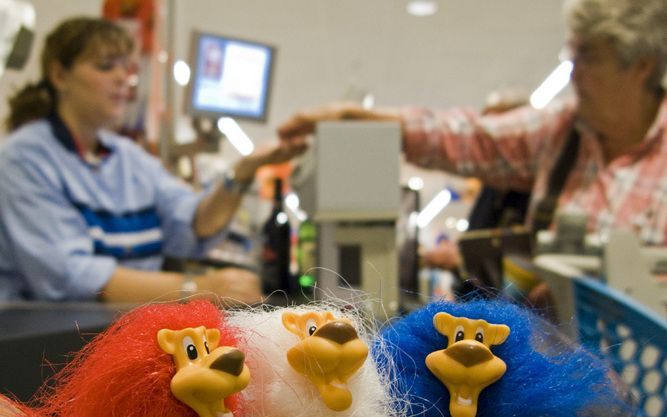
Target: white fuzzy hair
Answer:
[[277, 390]]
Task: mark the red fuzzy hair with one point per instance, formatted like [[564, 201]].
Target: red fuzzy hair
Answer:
[[123, 372]]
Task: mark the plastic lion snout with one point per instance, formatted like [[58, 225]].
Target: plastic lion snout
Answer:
[[328, 354], [467, 365], [205, 373]]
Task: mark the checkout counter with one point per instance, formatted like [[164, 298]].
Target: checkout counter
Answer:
[[616, 305], [37, 338], [624, 265]]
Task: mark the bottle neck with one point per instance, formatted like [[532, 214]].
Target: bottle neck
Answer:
[[278, 194]]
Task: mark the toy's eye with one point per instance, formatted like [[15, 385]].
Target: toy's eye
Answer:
[[206, 346], [459, 334], [479, 335], [311, 327], [190, 348]]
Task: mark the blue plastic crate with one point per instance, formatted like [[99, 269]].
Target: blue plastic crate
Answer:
[[632, 338]]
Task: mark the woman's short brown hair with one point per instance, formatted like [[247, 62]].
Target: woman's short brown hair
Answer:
[[69, 41]]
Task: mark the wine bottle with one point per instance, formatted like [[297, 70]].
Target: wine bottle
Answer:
[[276, 248]]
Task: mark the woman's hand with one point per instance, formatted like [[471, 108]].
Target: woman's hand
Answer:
[[218, 207], [230, 286], [233, 286], [275, 153]]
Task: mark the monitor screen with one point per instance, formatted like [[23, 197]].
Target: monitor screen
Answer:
[[231, 77]]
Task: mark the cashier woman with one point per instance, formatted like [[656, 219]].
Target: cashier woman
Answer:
[[86, 214]]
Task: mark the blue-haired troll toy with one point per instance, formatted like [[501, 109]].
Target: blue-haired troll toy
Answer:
[[491, 358]]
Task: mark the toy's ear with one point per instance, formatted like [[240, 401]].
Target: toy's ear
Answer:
[[213, 338], [166, 340], [291, 322], [500, 333], [442, 322]]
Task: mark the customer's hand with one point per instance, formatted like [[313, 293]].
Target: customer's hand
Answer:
[[303, 123], [234, 286], [505, 99]]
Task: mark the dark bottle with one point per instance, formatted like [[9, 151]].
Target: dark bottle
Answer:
[[276, 249]]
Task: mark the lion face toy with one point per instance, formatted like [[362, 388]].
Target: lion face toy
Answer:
[[546, 374], [328, 354], [467, 365], [303, 357], [205, 373]]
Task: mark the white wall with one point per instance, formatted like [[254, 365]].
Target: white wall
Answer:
[[324, 46]]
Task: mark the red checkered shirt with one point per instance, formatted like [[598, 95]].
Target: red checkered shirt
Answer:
[[518, 150]]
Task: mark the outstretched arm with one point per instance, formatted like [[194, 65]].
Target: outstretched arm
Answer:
[[303, 123], [217, 209]]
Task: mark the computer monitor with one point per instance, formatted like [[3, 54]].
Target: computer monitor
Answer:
[[230, 77]]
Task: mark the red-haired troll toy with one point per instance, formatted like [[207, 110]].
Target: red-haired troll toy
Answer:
[[162, 360]]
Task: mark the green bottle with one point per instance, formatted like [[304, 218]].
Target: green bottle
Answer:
[[307, 256]]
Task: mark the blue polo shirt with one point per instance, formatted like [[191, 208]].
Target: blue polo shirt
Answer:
[[66, 224]]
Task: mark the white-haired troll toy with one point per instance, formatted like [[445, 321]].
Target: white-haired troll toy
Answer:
[[309, 361]]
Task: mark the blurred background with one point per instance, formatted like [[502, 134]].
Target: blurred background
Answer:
[[345, 49]]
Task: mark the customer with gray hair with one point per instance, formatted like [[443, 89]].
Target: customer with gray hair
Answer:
[[637, 29], [613, 132]]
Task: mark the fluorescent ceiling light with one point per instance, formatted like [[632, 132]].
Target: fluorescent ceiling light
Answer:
[[422, 7], [27, 12], [434, 207], [236, 135], [552, 85], [301, 215], [282, 218], [181, 72], [368, 101], [462, 225], [292, 202], [415, 183], [412, 220]]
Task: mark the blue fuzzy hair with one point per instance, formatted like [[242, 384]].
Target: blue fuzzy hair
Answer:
[[547, 375]]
